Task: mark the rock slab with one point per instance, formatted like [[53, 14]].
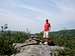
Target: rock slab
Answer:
[[39, 50]]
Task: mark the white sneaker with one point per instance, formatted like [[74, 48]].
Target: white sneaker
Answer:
[[45, 43], [40, 43]]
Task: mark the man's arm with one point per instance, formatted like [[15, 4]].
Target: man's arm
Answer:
[[49, 26]]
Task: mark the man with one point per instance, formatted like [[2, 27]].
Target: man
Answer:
[[47, 27]]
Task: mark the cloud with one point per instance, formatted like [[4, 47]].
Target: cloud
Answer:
[[34, 9]]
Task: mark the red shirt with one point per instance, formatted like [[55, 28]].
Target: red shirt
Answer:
[[47, 27]]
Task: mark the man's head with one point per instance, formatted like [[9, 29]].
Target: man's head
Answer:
[[47, 20]]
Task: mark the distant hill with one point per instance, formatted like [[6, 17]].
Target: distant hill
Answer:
[[65, 33], [61, 33], [62, 37]]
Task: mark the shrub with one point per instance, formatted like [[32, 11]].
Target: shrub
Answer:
[[6, 47]]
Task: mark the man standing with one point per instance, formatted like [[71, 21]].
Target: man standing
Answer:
[[47, 27]]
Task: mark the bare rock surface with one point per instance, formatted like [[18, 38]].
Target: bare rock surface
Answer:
[[36, 50]]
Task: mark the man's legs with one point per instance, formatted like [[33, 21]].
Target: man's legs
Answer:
[[45, 37], [47, 34]]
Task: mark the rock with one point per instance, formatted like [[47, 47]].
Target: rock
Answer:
[[30, 48], [31, 41], [38, 50]]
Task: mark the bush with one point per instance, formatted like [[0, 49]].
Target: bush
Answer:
[[6, 47], [7, 39]]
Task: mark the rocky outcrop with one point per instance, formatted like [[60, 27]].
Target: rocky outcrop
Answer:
[[30, 48], [38, 50]]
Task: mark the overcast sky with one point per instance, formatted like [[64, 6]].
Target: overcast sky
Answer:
[[31, 14]]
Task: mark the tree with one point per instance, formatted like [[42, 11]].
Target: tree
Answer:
[[4, 27]]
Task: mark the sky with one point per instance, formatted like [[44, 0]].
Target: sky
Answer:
[[30, 15]]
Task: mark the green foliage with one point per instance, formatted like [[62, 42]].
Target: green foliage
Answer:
[[40, 35], [64, 38], [6, 47], [8, 38], [16, 37]]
